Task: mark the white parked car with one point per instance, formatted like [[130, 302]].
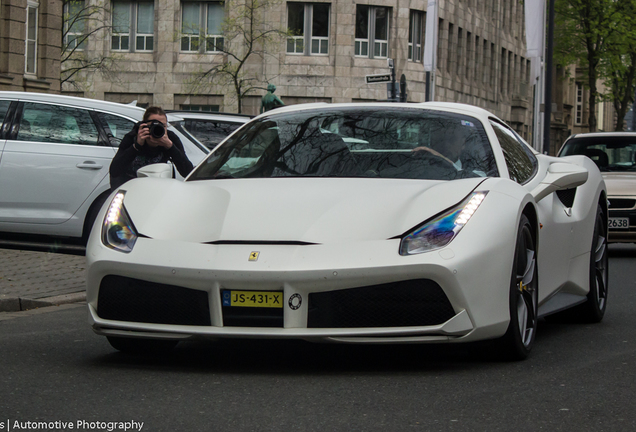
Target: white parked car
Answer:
[[375, 223], [55, 152]]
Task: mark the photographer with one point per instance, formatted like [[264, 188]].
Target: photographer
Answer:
[[149, 142]]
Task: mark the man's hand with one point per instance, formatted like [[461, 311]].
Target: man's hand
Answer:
[[164, 141], [143, 133]]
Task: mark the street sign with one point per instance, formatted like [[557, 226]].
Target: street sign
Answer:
[[371, 79]]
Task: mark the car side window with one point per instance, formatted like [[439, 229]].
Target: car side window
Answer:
[[210, 132], [116, 127], [520, 161], [56, 124], [4, 107]]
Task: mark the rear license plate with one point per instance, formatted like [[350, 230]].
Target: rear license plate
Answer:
[[619, 223], [259, 299]]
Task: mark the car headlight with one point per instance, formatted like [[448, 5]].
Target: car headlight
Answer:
[[440, 231], [118, 232]]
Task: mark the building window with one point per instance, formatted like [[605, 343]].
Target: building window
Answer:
[[372, 31], [31, 40], [460, 51], [468, 60], [74, 26], [579, 104], [451, 47], [493, 66], [486, 61], [309, 25], [200, 108], [201, 27], [133, 21], [416, 32]]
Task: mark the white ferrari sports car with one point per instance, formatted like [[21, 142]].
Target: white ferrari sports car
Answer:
[[379, 223]]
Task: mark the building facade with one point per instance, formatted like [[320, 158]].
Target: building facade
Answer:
[[158, 51], [30, 44], [155, 52]]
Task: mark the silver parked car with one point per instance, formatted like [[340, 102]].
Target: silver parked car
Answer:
[[55, 152], [615, 155]]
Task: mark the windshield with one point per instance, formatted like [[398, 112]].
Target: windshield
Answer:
[[612, 153], [355, 142]]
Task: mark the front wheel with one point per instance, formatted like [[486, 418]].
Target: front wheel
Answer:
[[523, 300], [593, 309]]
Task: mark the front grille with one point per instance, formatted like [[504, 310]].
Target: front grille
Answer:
[[621, 203], [419, 302], [630, 214], [127, 299]]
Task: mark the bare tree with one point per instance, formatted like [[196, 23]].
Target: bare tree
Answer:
[[246, 34], [82, 21]]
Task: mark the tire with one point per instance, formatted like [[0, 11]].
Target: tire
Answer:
[[517, 343], [91, 215], [593, 310], [141, 346]]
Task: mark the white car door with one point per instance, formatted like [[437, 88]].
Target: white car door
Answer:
[[50, 164]]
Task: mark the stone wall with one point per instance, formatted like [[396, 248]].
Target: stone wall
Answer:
[[481, 61], [12, 46]]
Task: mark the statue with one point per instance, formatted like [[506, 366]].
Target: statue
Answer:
[[270, 100]]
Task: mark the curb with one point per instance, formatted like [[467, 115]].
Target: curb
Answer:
[[17, 304]]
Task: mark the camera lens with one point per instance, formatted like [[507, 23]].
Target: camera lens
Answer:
[[156, 129]]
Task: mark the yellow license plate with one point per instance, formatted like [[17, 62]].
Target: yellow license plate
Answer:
[[265, 299]]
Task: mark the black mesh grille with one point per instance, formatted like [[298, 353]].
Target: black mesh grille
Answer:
[[621, 203], [252, 317], [567, 196], [418, 302], [126, 299]]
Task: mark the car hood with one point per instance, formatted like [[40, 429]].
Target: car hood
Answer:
[[620, 183], [313, 210]]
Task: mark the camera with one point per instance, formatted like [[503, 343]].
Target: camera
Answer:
[[156, 129]]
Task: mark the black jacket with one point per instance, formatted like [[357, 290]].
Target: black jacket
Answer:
[[128, 160]]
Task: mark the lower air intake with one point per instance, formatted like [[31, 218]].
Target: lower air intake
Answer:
[[419, 302], [126, 299]]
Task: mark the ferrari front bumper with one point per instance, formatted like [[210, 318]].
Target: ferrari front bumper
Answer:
[[475, 302]]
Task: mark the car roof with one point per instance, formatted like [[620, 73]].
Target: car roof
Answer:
[[74, 100], [217, 116], [602, 134], [441, 106], [591, 136], [130, 110]]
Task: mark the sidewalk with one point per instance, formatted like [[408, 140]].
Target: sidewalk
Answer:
[[29, 280]]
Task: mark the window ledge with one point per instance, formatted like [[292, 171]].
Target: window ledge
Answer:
[[36, 83], [6, 79]]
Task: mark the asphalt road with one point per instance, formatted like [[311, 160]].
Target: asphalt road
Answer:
[[580, 377]]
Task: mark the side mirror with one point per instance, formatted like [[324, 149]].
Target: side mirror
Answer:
[[560, 176], [158, 170]]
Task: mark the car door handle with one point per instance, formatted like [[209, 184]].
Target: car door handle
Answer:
[[89, 165]]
